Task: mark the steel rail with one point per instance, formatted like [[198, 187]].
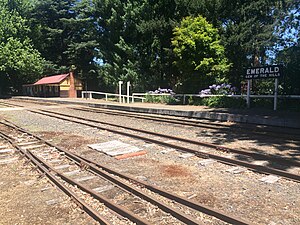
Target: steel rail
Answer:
[[205, 144], [176, 213], [89, 210], [239, 126], [117, 208], [34, 102], [254, 129], [189, 203], [94, 166], [217, 147], [257, 168], [10, 104]]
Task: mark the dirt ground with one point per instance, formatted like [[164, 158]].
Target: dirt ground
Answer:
[[242, 194], [28, 198]]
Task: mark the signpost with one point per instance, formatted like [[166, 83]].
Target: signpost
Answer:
[[273, 71]]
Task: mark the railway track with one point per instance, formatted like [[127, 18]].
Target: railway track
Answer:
[[48, 103], [6, 104], [93, 213], [72, 172], [273, 161], [180, 142], [249, 129]]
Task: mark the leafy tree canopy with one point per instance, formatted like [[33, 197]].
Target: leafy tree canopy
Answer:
[[19, 62], [198, 49], [131, 40]]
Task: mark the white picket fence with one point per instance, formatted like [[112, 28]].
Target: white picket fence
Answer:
[[141, 96], [89, 95]]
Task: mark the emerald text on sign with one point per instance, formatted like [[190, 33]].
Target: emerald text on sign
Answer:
[[263, 72]]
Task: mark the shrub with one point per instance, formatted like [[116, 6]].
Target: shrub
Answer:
[[165, 99], [194, 101], [169, 98], [221, 89], [224, 102], [162, 91]]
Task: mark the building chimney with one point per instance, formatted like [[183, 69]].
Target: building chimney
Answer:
[[72, 89]]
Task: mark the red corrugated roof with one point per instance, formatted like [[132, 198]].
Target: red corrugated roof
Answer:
[[52, 79]]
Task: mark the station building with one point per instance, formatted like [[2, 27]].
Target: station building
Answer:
[[62, 85]]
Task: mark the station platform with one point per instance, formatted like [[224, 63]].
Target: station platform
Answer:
[[251, 116]]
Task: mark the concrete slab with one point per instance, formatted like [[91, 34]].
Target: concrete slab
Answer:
[[28, 143], [103, 188], [170, 141], [206, 162], [114, 148], [6, 150], [29, 182], [167, 151], [7, 161], [32, 146], [192, 196], [85, 178], [70, 173], [270, 179], [260, 162], [108, 146], [186, 155], [55, 160], [62, 167], [236, 170], [149, 145], [122, 151], [53, 201]]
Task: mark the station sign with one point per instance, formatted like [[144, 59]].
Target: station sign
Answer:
[[263, 72]]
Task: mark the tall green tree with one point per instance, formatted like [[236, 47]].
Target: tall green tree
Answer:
[[290, 58], [64, 33], [117, 34], [20, 63], [248, 32], [50, 31], [200, 55]]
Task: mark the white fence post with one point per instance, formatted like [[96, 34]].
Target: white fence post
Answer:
[[120, 91], [128, 89]]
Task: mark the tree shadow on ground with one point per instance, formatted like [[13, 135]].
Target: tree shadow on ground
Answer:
[[273, 144]]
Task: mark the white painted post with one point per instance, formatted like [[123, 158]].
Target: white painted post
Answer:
[[128, 91], [248, 93], [106, 97], [275, 94], [120, 91], [90, 95]]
